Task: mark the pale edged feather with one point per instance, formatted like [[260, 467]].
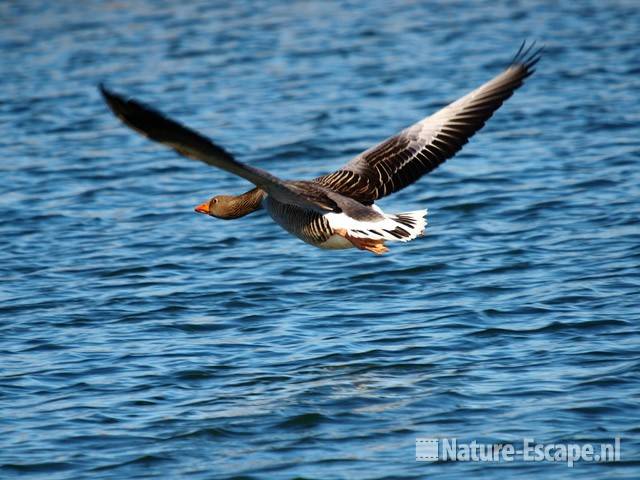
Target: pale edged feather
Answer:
[[402, 159]]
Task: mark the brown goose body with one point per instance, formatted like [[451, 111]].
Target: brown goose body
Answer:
[[306, 224], [338, 210]]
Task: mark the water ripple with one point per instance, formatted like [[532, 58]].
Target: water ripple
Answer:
[[143, 341]]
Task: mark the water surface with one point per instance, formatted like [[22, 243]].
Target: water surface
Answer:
[[141, 340]]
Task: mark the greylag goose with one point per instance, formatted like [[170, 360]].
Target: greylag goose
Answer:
[[337, 210]]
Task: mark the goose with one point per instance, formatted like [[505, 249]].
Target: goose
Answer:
[[338, 210]]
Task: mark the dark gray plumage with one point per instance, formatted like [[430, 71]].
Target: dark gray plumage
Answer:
[[402, 159]]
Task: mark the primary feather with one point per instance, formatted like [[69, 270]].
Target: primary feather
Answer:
[[417, 150]]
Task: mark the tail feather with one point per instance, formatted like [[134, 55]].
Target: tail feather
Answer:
[[401, 227], [414, 222]]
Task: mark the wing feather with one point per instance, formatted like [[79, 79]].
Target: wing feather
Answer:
[[402, 159], [156, 126]]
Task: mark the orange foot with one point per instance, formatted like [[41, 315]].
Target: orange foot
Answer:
[[375, 246]]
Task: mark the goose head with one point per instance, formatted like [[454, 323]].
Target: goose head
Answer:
[[229, 207]]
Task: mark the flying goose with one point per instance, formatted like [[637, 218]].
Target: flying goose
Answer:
[[338, 210]]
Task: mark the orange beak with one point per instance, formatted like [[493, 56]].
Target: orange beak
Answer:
[[203, 208]]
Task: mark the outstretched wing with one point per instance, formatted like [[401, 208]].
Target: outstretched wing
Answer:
[[155, 126], [401, 160]]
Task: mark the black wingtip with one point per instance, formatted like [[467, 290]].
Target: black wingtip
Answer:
[[515, 57], [527, 56], [104, 91], [154, 125], [113, 100], [136, 115]]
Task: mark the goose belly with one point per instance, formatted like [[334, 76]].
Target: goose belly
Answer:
[[309, 226], [336, 242]]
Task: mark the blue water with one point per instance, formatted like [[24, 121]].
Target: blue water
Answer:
[[142, 340]]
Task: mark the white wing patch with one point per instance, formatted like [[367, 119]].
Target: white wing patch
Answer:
[[401, 227]]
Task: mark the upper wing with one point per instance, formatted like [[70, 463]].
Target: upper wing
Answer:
[[155, 126], [401, 160]]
